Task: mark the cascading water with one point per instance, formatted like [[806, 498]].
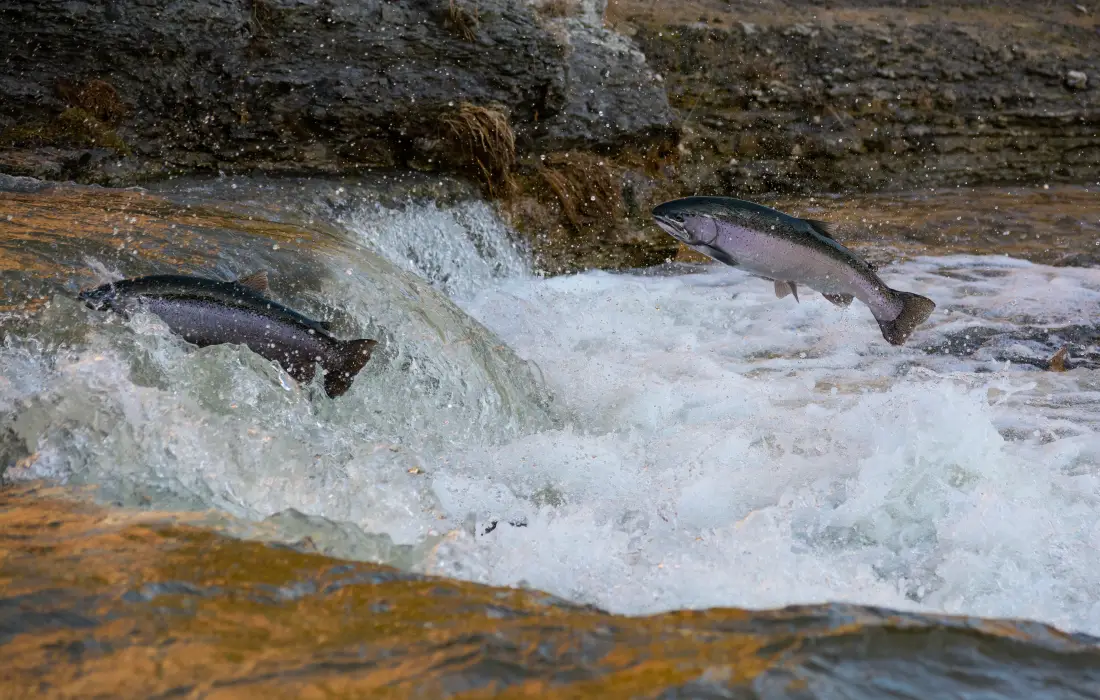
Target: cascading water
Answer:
[[707, 444], [89, 398], [460, 250], [728, 448]]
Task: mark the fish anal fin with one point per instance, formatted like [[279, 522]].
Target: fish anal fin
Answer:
[[823, 227], [257, 282], [839, 299], [343, 362], [782, 289]]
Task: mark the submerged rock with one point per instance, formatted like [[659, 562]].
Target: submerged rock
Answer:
[[155, 587], [1058, 349]]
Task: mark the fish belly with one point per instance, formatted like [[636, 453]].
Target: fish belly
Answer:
[[780, 259], [203, 324]]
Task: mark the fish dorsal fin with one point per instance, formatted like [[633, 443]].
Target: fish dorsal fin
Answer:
[[823, 227], [782, 289], [257, 282], [828, 230]]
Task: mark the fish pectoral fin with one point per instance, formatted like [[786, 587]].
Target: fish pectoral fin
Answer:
[[839, 299], [343, 362], [719, 255], [326, 325], [823, 227], [257, 282], [782, 289]]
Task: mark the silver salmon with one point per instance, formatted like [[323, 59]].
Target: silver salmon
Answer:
[[789, 252], [212, 312]]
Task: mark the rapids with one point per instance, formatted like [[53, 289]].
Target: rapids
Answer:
[[643, 441]]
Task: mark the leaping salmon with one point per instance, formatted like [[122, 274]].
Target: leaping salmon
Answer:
[[790, 251], [212, 312]]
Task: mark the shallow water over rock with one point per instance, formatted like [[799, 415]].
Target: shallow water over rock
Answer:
[[641, 441], [98, 604]]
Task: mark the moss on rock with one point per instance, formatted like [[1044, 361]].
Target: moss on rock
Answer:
[[75, 127]]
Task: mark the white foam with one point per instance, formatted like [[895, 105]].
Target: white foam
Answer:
[[729, 448], [459, 250], [721, 447]]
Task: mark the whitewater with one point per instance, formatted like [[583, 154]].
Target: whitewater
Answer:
[[710, 445]]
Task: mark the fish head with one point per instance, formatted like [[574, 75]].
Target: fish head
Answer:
[[100, 298], [687, 222]]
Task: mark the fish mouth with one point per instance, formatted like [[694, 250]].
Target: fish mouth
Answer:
[[672, 218], [672, 227], [98, 298]]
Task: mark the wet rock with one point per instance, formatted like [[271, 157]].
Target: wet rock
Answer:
[[15, 183], [611, 97], [801, 30], [1069, 347], [985, 114], [42, 163], [1058, 361], [297, 85], [240, 614], [313, 533], [1076, 80]]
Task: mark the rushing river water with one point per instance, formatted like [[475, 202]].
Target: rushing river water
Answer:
[[641, 441]]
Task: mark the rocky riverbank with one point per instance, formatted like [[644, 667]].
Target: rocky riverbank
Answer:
[[576, 115], [785, 99], [307, 87], [860, 96]]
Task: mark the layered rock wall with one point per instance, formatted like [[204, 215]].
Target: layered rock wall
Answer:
[[849, 102], [300, 85]]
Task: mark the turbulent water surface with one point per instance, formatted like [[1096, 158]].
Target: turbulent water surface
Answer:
[[642, 441]]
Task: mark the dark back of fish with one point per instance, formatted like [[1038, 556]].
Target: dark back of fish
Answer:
[[212, 312]]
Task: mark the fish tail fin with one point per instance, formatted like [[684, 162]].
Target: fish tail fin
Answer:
[[915, 311], [343, 362]]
